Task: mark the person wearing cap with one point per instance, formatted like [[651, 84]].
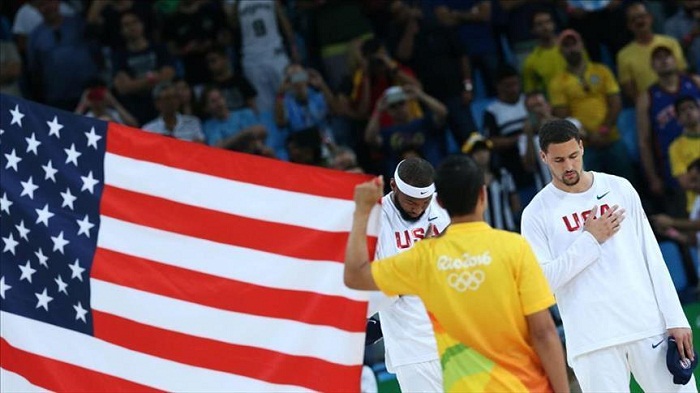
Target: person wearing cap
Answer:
[[635, 73], [171, 122], [589, 92], [504, 203], [504, 122], [409, 213], [485, 294], [615, 295], [408, 135], [658, 127]]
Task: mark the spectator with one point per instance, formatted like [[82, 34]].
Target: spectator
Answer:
[[407, 134], [658, 127], [589, 92], [517, 24], [239, 93], [504, 121], [264, 57], [686, 148], [225, 126], [472, 19], [338, 24], [190, 32], [98, 102], [635, 73], [58, 47], [29, 18], [376, 72], [503, 203], [139, 67], [171, 122], [306, 147], [684, 27], [10, 68], [545, 61], [304, 101], [104, 17], [588, 16], [437, 55]]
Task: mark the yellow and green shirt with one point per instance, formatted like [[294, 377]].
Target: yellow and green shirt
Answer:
[[586, 97], [478, 285]]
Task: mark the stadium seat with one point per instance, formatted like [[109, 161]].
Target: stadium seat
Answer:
[[627, 124], [479, 85], [674, 262], [478, 107]]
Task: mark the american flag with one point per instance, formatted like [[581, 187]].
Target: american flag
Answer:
[[136, 262]]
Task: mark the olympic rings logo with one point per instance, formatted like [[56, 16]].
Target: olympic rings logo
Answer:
[[466, 280]]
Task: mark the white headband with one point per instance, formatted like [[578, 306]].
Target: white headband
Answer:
[[415, 192]]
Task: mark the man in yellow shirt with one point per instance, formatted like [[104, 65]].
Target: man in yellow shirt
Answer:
[[589, 92], [545, 61], [635, 72], [485, 293], [686, 148]]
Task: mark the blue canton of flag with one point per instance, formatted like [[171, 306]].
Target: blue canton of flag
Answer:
[[51, 180]]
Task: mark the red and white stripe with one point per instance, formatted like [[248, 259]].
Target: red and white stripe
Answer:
[[214, 272]]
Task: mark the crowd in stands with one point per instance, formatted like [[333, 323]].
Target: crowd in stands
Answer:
[[359, 85]]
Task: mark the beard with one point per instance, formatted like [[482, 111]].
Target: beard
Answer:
[[572, 181], [404, 214]]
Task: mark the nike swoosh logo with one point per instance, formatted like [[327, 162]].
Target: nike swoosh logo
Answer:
[[423, 192], [432, 218], [599, 197], [657, 344]]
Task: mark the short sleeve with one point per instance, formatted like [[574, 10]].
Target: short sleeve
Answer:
[[535, 294], [399, 274]]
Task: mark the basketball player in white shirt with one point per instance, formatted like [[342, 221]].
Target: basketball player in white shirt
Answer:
[[409, 213], [614, 292]]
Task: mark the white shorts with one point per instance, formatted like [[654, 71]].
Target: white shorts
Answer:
[[420, 377], [608, 369]]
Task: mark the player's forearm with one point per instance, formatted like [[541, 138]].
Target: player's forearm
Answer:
[[664, 290], [356, 257], [559, 271]]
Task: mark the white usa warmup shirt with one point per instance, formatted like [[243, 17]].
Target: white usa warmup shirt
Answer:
[[609, 294], [408, 333]]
